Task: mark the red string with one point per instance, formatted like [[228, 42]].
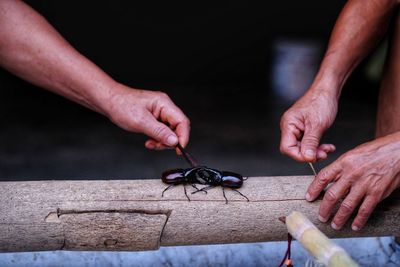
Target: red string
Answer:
[[287, 256]]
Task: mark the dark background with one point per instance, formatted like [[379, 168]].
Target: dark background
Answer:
[[214, 60]]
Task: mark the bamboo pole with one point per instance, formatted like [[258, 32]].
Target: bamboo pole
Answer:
[[131, 215], [318, 244]]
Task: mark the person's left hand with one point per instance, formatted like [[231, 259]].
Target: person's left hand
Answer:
[[361, 177]]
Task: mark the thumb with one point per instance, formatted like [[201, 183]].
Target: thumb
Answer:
[[310, 143], [160, 132]]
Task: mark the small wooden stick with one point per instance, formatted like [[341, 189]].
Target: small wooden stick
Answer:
[[312, 168], [188, 157]]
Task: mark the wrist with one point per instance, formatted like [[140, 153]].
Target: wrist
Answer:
[[107, 95], [100, 95], [330, 77], [327, 85]]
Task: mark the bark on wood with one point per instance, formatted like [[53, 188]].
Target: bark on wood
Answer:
[[132, 215]]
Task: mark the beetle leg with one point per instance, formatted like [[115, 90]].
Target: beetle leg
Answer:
[[197, 189], [184, 188], [241, 194], [168, 187], [223, 193], [204, 189]]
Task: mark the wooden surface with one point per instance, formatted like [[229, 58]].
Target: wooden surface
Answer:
[[131, 214]]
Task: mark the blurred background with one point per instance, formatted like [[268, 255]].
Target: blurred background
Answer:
[[233, 67]]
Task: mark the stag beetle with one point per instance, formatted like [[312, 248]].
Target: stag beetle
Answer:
[[204, 176]]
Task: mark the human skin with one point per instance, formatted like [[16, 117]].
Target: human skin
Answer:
[[33, 50], [365, 175]]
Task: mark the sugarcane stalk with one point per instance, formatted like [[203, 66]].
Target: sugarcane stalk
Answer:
[[318, 244]]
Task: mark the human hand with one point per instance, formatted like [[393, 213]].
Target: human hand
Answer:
[[362, 177], [151, 113], [304, 123]]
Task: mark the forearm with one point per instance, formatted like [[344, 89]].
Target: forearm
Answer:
[[33, 50], [359, 28]]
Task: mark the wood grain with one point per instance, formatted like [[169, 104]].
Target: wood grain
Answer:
[[132, 215]]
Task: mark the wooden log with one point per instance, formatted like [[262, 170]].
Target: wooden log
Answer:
[[131, 215]]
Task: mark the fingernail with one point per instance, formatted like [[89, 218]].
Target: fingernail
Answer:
[[334, 226], [322, 219], [310, 153], [308, 197], [172, 140], [355, 228]]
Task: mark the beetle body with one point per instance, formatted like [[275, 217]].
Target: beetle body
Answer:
[[203, 175]]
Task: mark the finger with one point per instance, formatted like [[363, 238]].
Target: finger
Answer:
[[289, 145], [393, 185], [310, 142], [324, 177], [159, 131], [327, 148], [323, 151], [182, 130], [321, 155], [178, 121], [347, 207], [364, 212], [331, 197], [152, 144]]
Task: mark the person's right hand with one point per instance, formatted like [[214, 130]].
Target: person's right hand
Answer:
[[304, 123], [149, 112]]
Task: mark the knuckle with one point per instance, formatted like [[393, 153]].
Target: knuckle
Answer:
[[285, 119], [311, 139], [186, 121], [323, 177], [163, 95], [160, 131], [348, 159], [285, 116], [346, 208], [330, 196], [376, 190], [355, 172], [364, 213], [283, 149], [320, 183]]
